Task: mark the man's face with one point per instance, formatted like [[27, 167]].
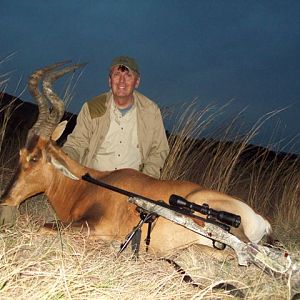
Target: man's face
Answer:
[[123, 81]]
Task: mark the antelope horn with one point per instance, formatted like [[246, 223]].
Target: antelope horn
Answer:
[[57, 103], [33, 88]]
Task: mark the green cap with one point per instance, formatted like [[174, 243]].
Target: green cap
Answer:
[[126, 61]]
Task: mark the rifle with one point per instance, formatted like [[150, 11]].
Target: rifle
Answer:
[[215, 227]]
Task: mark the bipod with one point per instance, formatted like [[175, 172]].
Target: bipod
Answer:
[[135, 235]]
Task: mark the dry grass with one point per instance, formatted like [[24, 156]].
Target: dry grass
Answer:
[[65, 265], [269, 182]]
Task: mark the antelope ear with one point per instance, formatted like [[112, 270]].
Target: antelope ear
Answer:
[[62, 167], [58, 131]]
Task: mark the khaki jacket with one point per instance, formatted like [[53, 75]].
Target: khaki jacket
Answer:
[[93, 123]]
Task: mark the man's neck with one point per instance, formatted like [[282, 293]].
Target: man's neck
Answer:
[[123, 103]]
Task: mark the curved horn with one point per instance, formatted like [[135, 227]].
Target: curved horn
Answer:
[[57, 103], [33, 88]]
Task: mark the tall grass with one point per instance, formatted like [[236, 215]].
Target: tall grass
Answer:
[[266, 180], [9, 145]]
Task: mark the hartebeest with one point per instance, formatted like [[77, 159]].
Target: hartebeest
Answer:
[[45, 168]]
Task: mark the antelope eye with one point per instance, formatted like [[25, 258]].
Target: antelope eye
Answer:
[[33, 158]]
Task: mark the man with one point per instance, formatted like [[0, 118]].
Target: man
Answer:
[[121, 128]]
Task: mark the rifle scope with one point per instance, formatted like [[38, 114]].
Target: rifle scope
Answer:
[[222, 216]]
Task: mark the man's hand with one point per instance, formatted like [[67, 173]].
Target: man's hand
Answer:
[[8, 215]]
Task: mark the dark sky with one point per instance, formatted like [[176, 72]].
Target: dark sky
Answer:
[[216, 51]]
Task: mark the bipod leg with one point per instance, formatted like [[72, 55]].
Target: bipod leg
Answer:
[[135, 236]]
